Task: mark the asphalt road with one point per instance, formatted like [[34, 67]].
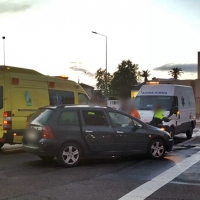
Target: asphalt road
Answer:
[[24, 176]]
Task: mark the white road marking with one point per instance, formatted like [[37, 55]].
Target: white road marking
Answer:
[[159, 181]]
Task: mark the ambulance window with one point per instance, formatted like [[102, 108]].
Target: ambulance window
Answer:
[[1, 97], [59, 97], [83, 99]]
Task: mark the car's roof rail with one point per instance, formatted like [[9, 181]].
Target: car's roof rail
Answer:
[[109, 107], [63, 105]]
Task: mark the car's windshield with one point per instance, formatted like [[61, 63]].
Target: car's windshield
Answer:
[[148, 102]]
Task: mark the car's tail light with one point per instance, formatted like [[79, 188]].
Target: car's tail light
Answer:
[[47, 133], [7, 120]]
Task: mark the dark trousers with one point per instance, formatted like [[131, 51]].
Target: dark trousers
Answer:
[[155, 122]]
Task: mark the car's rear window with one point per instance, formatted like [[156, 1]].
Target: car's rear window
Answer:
[[40, 117]]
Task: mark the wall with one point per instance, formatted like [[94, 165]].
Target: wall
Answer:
[[195, 85], [198, 65]]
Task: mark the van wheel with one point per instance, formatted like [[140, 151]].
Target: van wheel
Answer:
[[69, 155], [1, 144], [189, 133], [172, 132], [156, 148], [46, 158]]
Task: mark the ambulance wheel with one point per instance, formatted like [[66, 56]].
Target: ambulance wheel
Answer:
[[1, 144], [172, 132], [189, 133]]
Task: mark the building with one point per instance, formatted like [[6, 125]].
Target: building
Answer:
[[89, 89]]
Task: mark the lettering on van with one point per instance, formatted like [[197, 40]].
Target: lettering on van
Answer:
[[28, 98], [150, 92]]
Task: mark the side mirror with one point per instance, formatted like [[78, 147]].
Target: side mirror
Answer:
[[135, 127]]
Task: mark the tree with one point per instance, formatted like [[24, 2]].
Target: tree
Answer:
[[124, 78], [145, 74], [175, 72], [100, 76]]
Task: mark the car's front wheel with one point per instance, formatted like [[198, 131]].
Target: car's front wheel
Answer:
[[69, 155], [156, 148]]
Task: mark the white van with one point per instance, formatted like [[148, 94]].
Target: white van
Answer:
[[175, 98]]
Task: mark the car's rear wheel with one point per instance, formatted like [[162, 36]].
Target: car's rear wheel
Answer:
[[46, 158], [189, 133], [69, 155], [156, 148]]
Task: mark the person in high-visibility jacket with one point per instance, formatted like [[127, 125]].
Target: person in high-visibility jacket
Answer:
[[158, 117]]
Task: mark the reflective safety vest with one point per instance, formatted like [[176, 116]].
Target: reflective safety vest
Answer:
[[159, 114]]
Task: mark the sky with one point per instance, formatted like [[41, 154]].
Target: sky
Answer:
[[55, 37]]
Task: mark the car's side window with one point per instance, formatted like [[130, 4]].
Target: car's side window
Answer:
[[121, 120], [94, 118], [69, 118]]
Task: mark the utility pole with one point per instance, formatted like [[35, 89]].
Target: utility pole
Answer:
[[4, 55]]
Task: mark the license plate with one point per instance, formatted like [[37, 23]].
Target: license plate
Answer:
[[31, 136]]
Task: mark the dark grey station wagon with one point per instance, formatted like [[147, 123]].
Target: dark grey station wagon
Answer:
[[71, 133]]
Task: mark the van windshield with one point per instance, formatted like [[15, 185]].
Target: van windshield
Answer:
[[40, 117], [148, 102]]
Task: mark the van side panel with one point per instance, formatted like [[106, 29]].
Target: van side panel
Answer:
[[186, 104], [26, 98]]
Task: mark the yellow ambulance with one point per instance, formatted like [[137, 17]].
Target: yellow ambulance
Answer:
[[23, 91]]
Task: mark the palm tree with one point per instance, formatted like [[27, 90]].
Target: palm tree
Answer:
[[145, 74], [175, 72]]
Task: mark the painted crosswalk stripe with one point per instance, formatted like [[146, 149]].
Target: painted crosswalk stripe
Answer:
[[159, 181]]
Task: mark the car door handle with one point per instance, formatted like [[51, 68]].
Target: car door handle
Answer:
[[89, 131], [120, 132]]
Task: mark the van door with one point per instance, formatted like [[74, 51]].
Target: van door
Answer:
[[1, 104], [184, 113]]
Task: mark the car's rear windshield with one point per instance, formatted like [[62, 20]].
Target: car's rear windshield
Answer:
[[40, 117]]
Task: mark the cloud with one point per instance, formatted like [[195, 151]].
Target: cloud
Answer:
[[16, 6], [80, 69], [185, 67]]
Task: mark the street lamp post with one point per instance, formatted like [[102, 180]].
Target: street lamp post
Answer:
[[106, 81], [4, 48], [80, 75]]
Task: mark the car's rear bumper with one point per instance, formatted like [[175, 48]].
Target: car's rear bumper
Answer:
[[170, 144], [43, 148]]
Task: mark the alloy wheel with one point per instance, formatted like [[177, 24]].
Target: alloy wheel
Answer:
[[157, 149], [70, 155]]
